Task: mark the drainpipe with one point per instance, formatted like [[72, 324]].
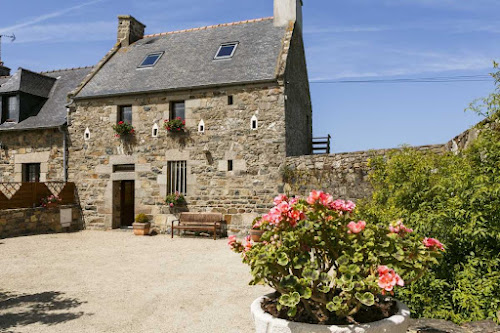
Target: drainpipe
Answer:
[[65, 157]]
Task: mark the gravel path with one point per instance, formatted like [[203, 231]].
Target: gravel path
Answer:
[[95, 281]]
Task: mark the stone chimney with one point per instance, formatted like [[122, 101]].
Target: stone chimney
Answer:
[[286, 11], [4, 71], [129, 30]]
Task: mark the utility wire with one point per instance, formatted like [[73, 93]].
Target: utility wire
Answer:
[[436, 79]]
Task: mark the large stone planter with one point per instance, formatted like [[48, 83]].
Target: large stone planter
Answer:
[[265, 323]]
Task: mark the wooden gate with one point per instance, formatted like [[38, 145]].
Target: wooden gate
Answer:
[[29, 195]]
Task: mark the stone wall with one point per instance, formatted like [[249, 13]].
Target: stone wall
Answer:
[[29, 221], [464, 139], [36, 146], [343, 175], [298, 99], [245, 191]]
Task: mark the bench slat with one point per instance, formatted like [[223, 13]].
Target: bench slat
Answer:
[[199, 221]]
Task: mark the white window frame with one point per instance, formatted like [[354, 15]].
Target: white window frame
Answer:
[[201, 126], [177, 177], [217, 57], [159, 54], [86, 134], [254, 118], [155, 131]]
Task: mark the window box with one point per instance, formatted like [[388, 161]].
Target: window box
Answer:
[[123, 129], [177, 125]]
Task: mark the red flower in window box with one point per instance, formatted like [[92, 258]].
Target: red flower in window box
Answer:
[[123, 129], [175, 125]]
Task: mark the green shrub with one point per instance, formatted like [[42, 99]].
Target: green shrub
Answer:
[[455, 198], [141, 218]]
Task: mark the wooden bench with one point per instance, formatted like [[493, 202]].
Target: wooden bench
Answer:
[[210, 222]]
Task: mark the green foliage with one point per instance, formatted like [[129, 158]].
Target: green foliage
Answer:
[[141, 218], [175, 125], [175, 199], [123, 129], [313, 253], [455, 198]]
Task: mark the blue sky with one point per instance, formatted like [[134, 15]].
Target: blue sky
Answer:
[[345, 40]]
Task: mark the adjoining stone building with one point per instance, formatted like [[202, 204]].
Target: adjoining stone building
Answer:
[[243, 91], [33, 133]]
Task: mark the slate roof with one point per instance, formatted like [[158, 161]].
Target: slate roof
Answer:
[[28, 82], [3, 79], [188, 61], [53, 112]]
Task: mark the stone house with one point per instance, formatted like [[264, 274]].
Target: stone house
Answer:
[[242, 89], [33, 133]]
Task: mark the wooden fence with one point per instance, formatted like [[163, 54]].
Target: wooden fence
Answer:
[[29, 195]]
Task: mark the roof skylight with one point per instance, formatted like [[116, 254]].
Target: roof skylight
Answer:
[[226, 51], [151, 59]]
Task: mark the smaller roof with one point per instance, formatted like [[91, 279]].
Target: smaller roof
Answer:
[[28, 82], [4, 79], [53, 112]]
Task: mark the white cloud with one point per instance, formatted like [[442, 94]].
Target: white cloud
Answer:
[[395, 62], [347, 29], [66, 32], [45, 17]]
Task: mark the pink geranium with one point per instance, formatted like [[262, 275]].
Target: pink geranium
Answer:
[[356, 228], [433, 243], [388, 279], [283, 211], [231, 240], [399, 228], [280, 198], [343, 206], [248, 245]]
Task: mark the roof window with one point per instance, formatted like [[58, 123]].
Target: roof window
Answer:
[[226, 50], [151, 59]]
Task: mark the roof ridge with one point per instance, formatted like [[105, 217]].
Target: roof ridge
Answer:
[[209, 27], [32, 72], [65, 69]]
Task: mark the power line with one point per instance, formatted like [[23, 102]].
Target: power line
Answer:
[[435, 79]]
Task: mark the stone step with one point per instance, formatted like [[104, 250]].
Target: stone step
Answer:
[[95, 226]]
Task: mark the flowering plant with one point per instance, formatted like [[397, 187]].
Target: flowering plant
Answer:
[[51, 199], [175, 199], [175, 125], [326, 266], [123, 129]]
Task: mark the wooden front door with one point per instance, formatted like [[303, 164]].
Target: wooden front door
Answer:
[[127, 203]]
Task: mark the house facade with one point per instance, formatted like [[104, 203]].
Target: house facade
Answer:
[[242, 90], [33, 132]]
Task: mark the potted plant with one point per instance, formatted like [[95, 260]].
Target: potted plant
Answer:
[[175, 125], [123, 129], [330, 270], [258, 229], [175, 200], [141, 225], [50, 201]]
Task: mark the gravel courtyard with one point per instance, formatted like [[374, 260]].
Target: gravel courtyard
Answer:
[[95, 281]]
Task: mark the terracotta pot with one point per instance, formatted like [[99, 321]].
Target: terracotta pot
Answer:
[[256, 234], [141, 229], [52, 205], [265, 323]]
